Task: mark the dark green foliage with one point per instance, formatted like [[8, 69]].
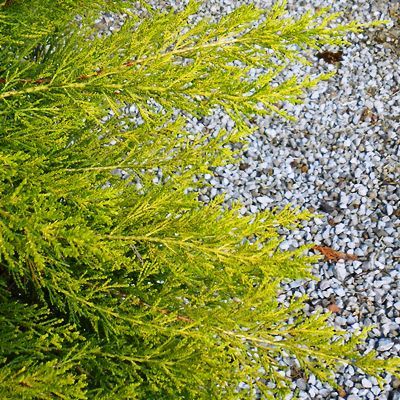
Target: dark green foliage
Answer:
[[125, 289]]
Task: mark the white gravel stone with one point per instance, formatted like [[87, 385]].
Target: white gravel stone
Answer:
[[353, 397], [385, 344], [264, 200], [301, 384], [362, 191], [340, 271], [366, 383], [376, 390]]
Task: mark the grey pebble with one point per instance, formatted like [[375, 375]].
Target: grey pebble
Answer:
[[366, 383], [340, 271], [301, 384], [385, 344]]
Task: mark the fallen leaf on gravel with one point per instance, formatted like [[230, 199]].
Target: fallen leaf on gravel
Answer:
[[341, 392], [330, 57], [333, 255], [332, 222], [333, 308]]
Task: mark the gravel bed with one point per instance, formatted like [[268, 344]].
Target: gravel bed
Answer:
[[341, 159]]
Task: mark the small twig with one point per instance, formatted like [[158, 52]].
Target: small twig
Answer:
[[25, 384], [6, 3], [135, 250], [41, 81], [163, 311]]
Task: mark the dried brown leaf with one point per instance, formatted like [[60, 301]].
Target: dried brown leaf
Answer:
[[334, 308], [334, 255]]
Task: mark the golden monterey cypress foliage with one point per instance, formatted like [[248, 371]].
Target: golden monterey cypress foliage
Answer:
[[127, 289]]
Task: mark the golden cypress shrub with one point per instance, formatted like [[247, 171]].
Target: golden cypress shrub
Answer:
[[126, 289]]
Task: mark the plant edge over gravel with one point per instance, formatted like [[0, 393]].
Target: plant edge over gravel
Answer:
[[127, 288]]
